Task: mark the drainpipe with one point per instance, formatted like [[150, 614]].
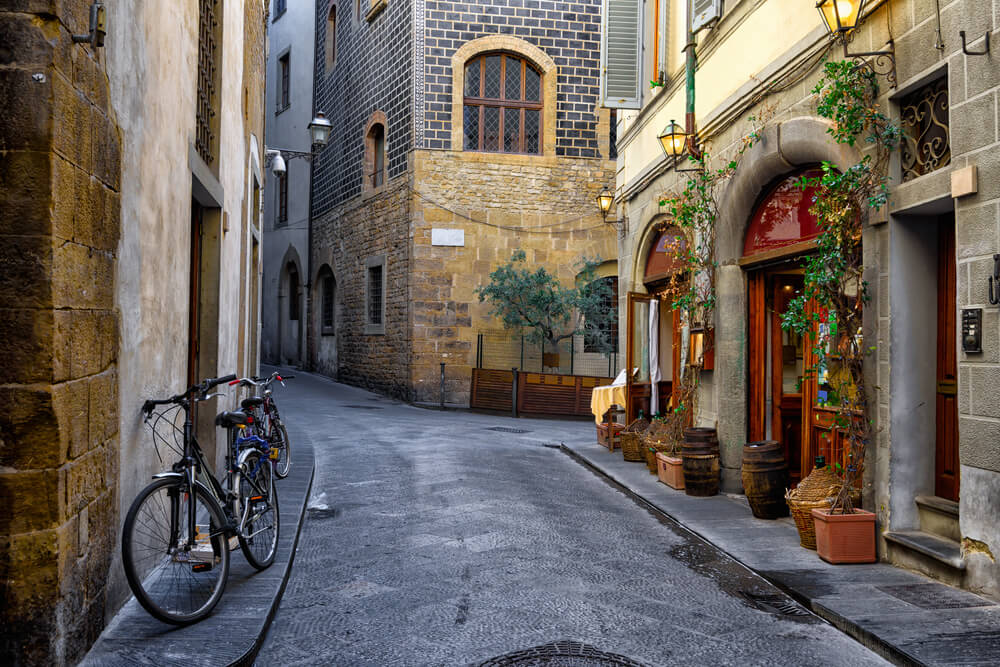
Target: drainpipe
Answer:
[[690, 65]]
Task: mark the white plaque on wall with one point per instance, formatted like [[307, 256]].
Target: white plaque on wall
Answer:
[[452, 237]]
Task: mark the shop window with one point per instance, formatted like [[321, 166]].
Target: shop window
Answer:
[[926, 144], [502, 105]]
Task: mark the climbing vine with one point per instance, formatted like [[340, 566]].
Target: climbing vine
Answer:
[[692, 290], [829, 310]]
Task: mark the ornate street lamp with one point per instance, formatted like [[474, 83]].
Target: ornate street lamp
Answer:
[[604, 201], [841, 18], [675, 142], [319, 135], [319, 129]]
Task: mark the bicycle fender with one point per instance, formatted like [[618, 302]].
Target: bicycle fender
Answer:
[[164, 475]]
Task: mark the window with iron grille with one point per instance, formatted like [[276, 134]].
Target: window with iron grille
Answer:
[[328, 286], [375, 294], [503, 105], [208, 67], [281, 216], [926, 144], [284, 74]]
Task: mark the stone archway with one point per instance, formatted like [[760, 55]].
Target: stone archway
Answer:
[[291, 309], [783, 148]]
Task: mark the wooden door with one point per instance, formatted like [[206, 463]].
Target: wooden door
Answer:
[[946, 482], [194, 296], [787, 370]]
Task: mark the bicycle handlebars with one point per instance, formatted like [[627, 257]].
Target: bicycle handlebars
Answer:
[[201, 389]]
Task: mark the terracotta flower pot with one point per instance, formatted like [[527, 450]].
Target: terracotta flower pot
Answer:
[[845, 538], [670, 470]]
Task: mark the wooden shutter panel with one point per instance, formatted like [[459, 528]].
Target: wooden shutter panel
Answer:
[[621, 44], [704, 12]]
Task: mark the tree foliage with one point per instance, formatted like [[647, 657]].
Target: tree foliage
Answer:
[[546, 310]]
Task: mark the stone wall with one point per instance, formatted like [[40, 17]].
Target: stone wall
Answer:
[[60, 181], [344, 239], [373, 72], [545, 205]]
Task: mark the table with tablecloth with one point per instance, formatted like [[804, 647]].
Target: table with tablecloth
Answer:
[[602, 398]]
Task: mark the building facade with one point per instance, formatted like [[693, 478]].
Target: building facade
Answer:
[[288, 110], [932, 472], [462, 132], [130, 199]]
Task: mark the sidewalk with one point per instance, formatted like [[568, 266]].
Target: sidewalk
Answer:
[[232, 635], [905, 617]]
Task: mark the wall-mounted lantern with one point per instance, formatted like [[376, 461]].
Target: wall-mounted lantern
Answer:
[[675, 142], [841, 18], [604, 201], [319, 135]]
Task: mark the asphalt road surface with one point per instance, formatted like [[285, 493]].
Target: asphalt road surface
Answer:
[[434, 539]]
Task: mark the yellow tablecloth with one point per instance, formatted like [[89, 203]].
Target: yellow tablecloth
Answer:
[[604, 397]]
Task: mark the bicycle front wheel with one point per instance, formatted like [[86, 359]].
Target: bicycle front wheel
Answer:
[[175, 580], [279, 440], [259, 520]]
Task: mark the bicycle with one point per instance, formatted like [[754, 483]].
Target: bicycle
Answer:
[[177, 534], [267, 421]]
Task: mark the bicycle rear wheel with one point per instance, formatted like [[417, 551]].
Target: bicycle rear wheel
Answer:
[[279, 439], [259, 497], [175, 583]]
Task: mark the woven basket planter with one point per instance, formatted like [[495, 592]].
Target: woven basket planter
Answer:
[[632, 447], [816, 491]]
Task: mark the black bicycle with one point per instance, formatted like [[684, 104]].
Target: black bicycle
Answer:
[[180, 529]]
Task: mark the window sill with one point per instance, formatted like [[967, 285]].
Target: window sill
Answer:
[[374, 330], [279, 110], [328, 331], [376, 9]]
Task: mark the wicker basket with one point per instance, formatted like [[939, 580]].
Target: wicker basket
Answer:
[[817, 490], [631, 440]]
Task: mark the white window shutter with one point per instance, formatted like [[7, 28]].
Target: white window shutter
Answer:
[[704, 12], [621, 54]]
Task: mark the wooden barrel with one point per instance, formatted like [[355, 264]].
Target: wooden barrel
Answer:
[[700, 441], [765, 478], [701, 474]]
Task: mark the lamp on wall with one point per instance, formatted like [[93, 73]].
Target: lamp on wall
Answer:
[[604, 201], [319, 135], [841, 18], [675, 141]]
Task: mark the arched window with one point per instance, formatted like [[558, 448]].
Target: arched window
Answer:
[[375, 156], [328, 302], [783, 217], [331, 38], [503, 105]]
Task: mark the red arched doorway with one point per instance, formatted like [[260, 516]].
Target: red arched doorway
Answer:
[[662, 269], [781, 395]]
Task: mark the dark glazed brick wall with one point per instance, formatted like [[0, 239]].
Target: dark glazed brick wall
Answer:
[[569, 32], [373, 71]]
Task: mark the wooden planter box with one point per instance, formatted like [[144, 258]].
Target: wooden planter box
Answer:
[[670, 470], [845, 538]]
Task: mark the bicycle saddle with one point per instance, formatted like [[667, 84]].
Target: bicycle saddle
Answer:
[[251, 402], [230, 419]]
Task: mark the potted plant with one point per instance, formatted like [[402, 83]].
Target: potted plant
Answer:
[[831, 306]]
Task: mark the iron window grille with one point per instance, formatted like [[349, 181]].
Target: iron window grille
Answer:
[[207, 70], [374, 295], [328, 303], [282, 215], [503, 105], [926, 144]]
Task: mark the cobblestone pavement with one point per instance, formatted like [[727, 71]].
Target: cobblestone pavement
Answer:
[[434, 540]]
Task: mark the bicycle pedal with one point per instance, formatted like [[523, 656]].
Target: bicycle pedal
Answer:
[[234, 543], [275, 453], [201, 567]]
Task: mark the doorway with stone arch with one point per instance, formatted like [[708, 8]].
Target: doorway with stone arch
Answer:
[[291, 311]]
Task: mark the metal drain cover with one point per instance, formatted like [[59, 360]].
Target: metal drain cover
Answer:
[[775, 604], [561, 654], [364, 407], [934, 596], [507, 429]]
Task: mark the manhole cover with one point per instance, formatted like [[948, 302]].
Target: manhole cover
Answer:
[[774, 604], [507, 429], [364, 407], [561, 654], [934, 596]]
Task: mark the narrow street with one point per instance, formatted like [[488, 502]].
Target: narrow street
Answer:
[[438, 539]]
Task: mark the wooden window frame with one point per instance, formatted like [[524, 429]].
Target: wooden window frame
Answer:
[[500, 103], [284, 81]]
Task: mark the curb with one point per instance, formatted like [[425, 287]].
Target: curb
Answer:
[[853, 630], [247, 658]]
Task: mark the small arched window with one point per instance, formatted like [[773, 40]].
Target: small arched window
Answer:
[[328, 302], [331, 38], [503, 105]]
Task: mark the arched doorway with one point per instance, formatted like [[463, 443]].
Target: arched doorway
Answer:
[[781, 391], [653, 328], [290, 321]]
